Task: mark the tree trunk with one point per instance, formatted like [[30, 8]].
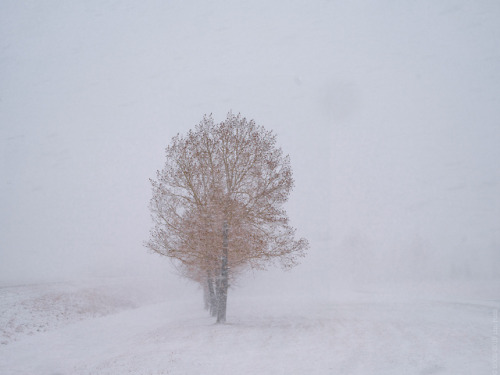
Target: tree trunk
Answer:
[[206, 297], [223, 283], [212, 299]]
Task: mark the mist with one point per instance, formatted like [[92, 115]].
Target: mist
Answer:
[[389, 112]]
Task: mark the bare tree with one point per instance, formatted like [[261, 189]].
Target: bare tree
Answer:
[[217, 204]]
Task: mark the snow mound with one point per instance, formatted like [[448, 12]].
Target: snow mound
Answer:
[[30, 309]]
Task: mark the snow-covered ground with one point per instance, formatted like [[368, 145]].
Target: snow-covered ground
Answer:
[[30, 309], [78, 329]]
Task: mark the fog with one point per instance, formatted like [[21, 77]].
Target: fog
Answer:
[[389, 111]]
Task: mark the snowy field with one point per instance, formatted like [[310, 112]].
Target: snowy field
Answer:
[[91, 329]]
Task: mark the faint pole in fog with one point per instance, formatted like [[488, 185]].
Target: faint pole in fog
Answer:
[[494, 344]]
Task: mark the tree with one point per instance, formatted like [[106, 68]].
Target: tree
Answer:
[[217, 205]]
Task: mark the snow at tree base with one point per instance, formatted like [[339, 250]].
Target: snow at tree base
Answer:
[[389, 112]]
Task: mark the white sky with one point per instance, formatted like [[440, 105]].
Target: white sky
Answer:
[[389, 110]]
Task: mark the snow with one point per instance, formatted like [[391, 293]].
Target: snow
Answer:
[[29, 309], [355, 332]]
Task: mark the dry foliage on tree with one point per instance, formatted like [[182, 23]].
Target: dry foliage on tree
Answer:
[[217, 205]]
